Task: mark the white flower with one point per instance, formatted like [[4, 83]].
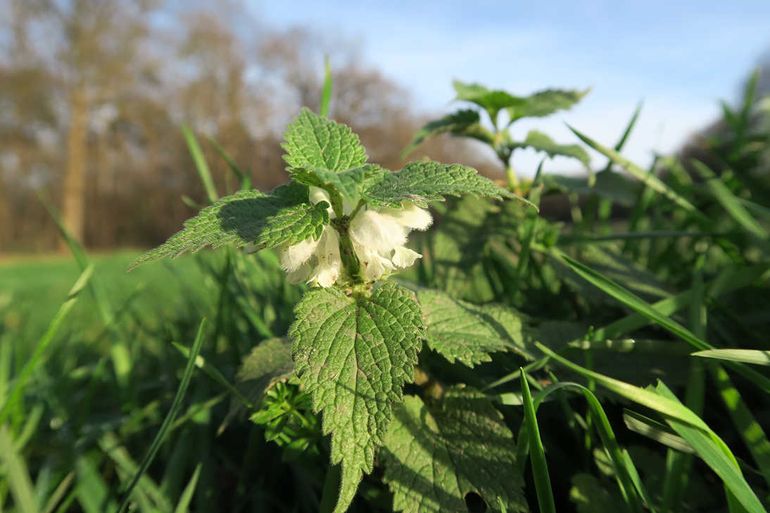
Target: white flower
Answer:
[[378, 237]]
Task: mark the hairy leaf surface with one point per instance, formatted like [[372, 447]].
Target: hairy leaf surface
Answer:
[[247, 217], [353, 354], [426, 181], [466, 332], [436, 454], [351, 182], [312, 141]]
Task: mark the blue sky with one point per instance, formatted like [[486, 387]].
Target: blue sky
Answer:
[[679, 57]]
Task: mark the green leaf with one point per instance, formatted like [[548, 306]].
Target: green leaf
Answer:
[[266, 363], [351, 183], [539, 141], [437, 453], [462, 122], [426, 181], [247, 217], [491, 100], [754, 356], [353, 354], [544, 103], [469, 333], [313, 141]]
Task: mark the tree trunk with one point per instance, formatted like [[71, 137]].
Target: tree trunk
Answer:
[[73, 203]]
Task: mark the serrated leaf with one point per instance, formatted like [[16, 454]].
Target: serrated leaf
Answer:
[[491, 100], [426, 181], [462, 122], [539, 141], [546, 102], [266, 363], [353, 354], [312, 141], [466, 332], [247, 217], [436, 454], [351, 183]]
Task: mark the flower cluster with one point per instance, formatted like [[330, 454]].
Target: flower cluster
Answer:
[[378, 237]]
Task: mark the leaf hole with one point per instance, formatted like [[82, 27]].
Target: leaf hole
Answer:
[[475, 503]]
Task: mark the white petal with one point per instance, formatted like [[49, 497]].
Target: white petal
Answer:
[[302, 274], [404, 257], [329, 262], [410, 216], [317, 195], [373, 264], [292, 257], [377, 232]]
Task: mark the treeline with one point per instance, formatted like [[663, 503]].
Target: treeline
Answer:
[[93, 94]]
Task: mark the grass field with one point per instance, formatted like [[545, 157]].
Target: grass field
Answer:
[[556, 369]]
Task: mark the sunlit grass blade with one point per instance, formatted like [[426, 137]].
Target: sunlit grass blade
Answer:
[[655, 430], [640, 174], [744, 421], [326, 92], [729, 201], [640, 306], [17, 389], [626, 133], [201, 166], [175, 405], [16, 472], [536, 452], [631, 487], [719, 458], [707, 444], [753, 356], [56, 498]]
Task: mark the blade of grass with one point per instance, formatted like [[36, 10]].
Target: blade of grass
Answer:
[[753, 356], [536, 452], [175, 405], [17, 474], [201, 166], [640, 306], [17, 389], [679, 465], [631, 487], [707, 444], [326, 92], [243, 177], [183, 506], [216, 375], [754, 437], [722, 462], [652, 181], [626, 133], [119, 353], [730, 202], [58, 494]]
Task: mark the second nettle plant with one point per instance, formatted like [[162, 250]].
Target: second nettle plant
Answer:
[[341, 225]]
